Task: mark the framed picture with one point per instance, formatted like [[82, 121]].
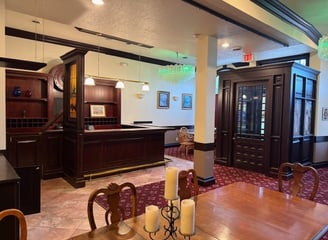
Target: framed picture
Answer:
[[325, 113], [97, 111], [163, 99], [186, 101]]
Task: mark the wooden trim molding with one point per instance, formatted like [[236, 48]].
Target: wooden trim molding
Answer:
[[285, 14], [320, 139], [230, 20], [14, 32], [204, 146]]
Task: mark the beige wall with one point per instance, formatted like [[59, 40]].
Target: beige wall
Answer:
[[320, 152], [2, 78]]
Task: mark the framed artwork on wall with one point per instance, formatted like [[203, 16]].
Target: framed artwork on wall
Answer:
[[163, 99], [325, 113], [186, 101], [97, 111]]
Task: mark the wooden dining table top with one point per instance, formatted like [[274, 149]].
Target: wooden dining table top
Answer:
[[236, 211]]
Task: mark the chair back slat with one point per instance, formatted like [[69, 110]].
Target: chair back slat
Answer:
[[188, 184], [296, 184], [21, 218], [115, 212]]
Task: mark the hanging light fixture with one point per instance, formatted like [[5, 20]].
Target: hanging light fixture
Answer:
[[145, 87], [98, 2], [119, 84], [89, 81], [177, 71]]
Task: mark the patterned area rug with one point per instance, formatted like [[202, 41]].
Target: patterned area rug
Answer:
[[225, 175], [153, 193]]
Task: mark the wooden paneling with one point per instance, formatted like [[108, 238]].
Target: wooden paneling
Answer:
[[289, 130], [23, 150], [52, 142]]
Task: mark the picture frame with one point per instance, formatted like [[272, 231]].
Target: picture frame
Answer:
[[163, 99], [325, 114], [186, 101], [97, 111]]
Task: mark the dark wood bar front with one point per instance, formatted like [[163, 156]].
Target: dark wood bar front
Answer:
[[109, 151]]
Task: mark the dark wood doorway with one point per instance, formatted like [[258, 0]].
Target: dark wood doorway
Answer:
[[265, 117], [250, 125]]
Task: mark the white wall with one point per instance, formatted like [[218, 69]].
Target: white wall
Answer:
[[133, 108], [320, 151]]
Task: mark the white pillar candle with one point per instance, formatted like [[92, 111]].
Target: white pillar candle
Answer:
[[187, 217], [152, 218], [171, 183]]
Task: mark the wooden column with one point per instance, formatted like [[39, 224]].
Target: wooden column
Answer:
[[205, 109]]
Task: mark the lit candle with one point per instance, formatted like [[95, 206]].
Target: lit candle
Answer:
[[152, 218], [171, 183], [187, 226]]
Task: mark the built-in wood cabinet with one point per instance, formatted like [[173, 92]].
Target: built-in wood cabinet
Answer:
[[29, 109], [103, 94], [27, 102], [24, 149], [52, 152], [266, 117]]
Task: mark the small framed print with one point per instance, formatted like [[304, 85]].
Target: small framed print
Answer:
[[325, 114], [97, 111], [163, 99], [186, 101]]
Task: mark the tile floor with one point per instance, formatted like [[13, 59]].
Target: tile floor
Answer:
[[63, 208]]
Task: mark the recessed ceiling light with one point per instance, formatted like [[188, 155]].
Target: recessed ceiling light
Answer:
[[98, 2], [225, 45]]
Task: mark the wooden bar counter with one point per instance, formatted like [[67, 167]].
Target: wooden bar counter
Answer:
[[108, 151]]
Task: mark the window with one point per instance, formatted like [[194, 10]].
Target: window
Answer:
[[251, 111]]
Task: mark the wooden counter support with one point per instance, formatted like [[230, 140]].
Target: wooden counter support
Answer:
[[106, 152]]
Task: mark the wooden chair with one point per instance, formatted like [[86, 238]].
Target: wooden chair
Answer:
[[116, 212], [186, 141], [21, 218], [296, 183], [188, 184]]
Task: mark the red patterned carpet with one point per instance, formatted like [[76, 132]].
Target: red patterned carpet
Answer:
[[153, 193], [226, 175]]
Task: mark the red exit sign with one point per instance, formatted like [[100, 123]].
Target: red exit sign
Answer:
[[247, 57]]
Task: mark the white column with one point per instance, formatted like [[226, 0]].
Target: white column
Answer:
[[205, 108]]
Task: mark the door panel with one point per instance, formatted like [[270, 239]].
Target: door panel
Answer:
[[249, 132]]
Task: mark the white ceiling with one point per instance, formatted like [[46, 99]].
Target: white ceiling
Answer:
[[171, 26]]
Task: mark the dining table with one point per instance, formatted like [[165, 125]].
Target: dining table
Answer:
[[236, 211]]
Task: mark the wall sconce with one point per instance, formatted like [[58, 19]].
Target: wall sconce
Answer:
[[140, 95], [175, 98]]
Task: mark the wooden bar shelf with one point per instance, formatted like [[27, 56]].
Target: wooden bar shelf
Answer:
[[27, 99]]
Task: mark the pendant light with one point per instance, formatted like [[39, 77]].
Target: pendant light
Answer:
[[119, 84], [145, 87]]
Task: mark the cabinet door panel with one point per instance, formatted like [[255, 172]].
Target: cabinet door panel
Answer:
[[25, 150]]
